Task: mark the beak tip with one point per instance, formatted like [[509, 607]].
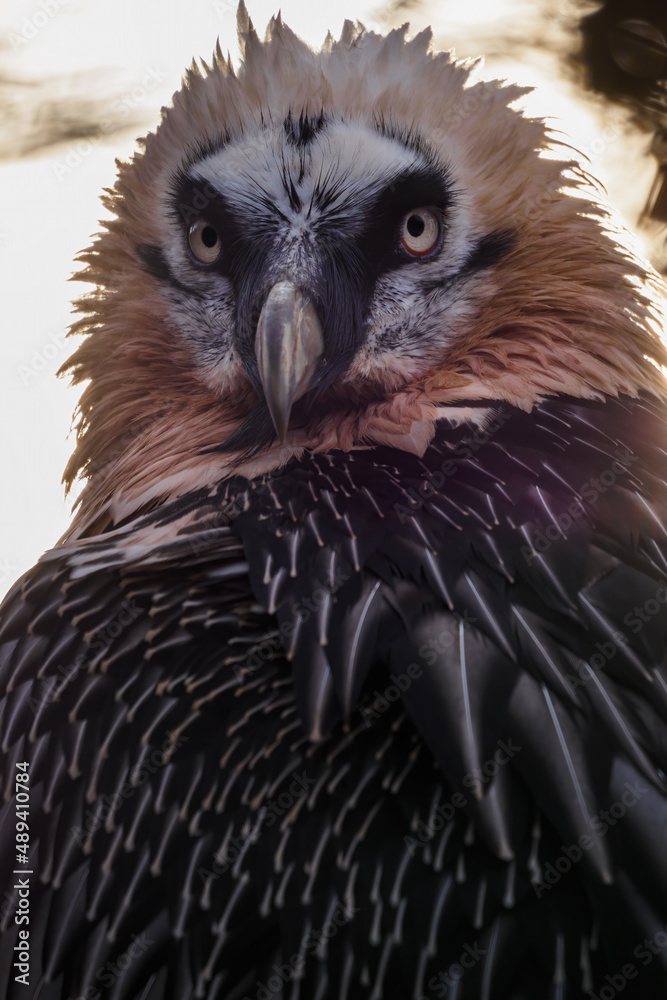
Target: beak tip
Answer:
[[288, 345], [280, 420]]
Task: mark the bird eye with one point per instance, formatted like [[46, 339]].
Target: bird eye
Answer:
[[204, 242], [421, 234]]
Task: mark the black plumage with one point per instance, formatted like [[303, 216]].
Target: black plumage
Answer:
[[348, 718]]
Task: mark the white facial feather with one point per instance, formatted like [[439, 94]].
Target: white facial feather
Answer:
[[413, 310]]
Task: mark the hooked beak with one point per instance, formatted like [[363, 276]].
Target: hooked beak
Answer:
[[288, 345]]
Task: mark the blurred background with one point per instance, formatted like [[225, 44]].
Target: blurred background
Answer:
[[81, 79]]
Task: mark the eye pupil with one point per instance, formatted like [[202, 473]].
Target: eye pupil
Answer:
[[209, 236], [422, 233], [204, 241], [416, 226]]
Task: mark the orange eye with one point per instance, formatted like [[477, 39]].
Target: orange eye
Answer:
[[204, 241], [421, 232]]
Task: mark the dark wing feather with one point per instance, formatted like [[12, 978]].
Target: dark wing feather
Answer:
[[329, 747]]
